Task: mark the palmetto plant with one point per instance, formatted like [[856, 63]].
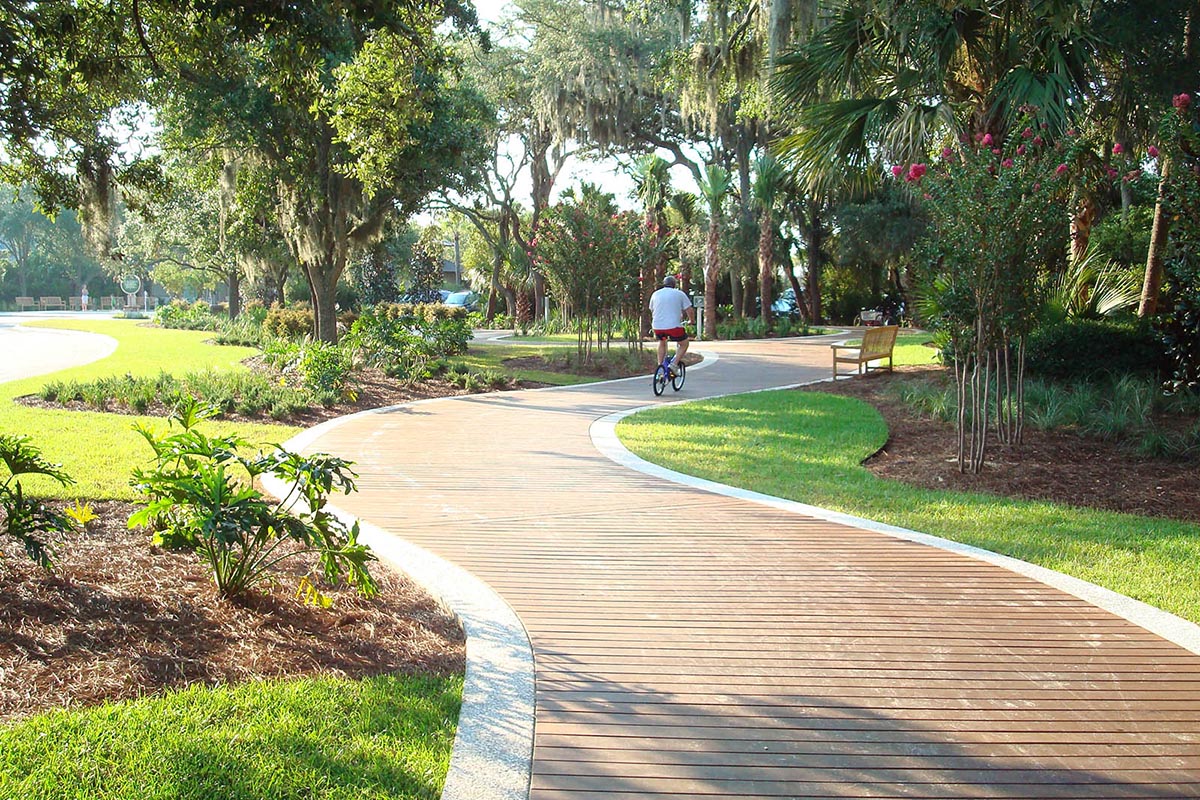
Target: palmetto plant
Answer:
[[27, 519]]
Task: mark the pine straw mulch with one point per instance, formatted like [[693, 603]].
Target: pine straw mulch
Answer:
[[1060, 466], [119, 619]]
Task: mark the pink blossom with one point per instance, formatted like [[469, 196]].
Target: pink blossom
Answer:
[[916, 171], [1153, 151], [987, 139], [1181, 101], [1006, 163], [996, 151], [1038, 141], [1027, 133], [1112, 173], [927, 196], [1037, 186], [1061, 170], [897, 171], [1071, 132], [1118, 148], [947, 153], [1020, 149]]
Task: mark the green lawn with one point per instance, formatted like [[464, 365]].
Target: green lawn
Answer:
[[99, 449], [386, 737], [809, 446]]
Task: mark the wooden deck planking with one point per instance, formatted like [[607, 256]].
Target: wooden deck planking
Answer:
[[690, 645]]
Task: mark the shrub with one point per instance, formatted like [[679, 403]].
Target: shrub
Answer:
[[200, 492], [178, 314], [1078, 348], [326, 368], [28, 520], [288, 323], [243, 331]]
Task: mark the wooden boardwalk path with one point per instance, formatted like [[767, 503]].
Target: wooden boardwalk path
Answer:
[[692, 645]]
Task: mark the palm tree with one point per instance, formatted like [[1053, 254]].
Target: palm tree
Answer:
[[652, 182], [715, 185], [687, 215], [886, 78], [768, 180]]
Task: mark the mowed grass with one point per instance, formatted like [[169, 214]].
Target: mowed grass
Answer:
[[808, 447], [387, 737], [100, 450]]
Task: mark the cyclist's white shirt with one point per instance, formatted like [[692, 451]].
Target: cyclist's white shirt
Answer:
[[666, 307]]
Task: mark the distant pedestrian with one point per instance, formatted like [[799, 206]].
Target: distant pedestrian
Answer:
[[83, 299]]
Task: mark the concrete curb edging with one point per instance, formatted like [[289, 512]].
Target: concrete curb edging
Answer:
[[1170, 627]]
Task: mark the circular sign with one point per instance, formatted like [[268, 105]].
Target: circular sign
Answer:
[[131, 284]]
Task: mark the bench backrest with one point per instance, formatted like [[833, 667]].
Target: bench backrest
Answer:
[[25, 301], [879, 340]]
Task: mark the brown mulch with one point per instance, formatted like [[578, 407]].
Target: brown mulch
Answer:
[[119, 618], [1059, 466]]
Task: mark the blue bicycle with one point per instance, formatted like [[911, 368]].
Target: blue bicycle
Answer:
[[664, 374]]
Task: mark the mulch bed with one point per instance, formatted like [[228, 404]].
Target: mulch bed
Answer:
[[1059, 466], [120, 618]]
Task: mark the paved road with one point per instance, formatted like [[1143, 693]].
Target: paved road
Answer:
[[632, 636], [26, 352]]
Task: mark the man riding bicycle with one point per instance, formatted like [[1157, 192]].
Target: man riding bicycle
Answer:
[[668, 306]]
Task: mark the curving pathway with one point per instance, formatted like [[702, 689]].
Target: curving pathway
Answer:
[[26, 352], [630, 636]]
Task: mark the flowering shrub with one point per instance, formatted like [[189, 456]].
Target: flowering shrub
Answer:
[[997, 222], [591, 257], [1179, 324]]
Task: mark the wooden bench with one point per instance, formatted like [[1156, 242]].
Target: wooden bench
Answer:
[[26, 302], [877, 344], [47, 303]]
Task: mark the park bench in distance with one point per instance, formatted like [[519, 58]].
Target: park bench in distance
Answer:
[[25, 302], [877, 344], [47, 303]]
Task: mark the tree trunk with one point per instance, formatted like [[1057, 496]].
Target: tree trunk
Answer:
[[1081, 228], [234, 278], [712, 265], [766, 263], [322, 283], [1152, 281]]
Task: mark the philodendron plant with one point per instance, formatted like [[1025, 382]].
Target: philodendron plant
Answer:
[[200, 493], [26, 518]]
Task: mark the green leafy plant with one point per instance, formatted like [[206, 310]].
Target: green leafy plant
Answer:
[[28, 519], [200, 493]]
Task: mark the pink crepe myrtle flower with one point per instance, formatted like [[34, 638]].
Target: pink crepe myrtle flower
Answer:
[[1027, 133], [1112, 173], [897, 171], [1020, 149], [1061, 169], [1118, 148], [1153, 151], [1182, 101], [996, 151], [1072, 132], [1038, 141], [927, 196], [987, 139], [1037, 186], [916, 172], [947, 153], [1006, 163]]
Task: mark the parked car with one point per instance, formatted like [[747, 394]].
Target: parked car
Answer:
[[468, 300], [423, 297], [786, 305]]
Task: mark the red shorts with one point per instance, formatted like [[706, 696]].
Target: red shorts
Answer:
[[674, 334]]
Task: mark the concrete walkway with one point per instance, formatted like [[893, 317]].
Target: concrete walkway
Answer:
[[26, 352], [630, 636]]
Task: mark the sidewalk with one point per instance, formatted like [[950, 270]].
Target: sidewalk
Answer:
[[26, 352], [652, 640]]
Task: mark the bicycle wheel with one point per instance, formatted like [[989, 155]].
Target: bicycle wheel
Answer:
[[679, 377], [660, 380]]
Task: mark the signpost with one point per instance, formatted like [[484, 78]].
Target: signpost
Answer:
[[131, 284]]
